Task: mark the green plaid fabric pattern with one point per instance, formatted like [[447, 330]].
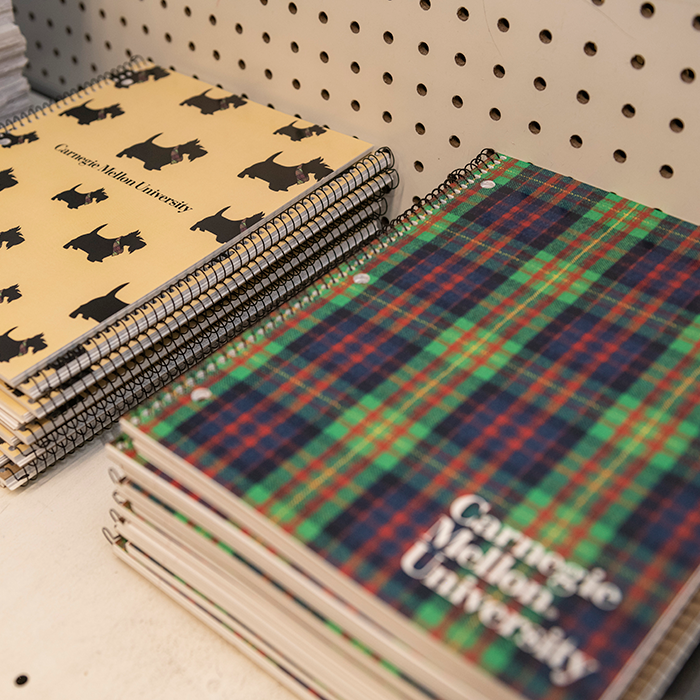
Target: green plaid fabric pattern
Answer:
[[533, 342]]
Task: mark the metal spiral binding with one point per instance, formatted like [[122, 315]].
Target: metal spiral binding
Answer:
[[71, 435], [156, 335], [221, 266]]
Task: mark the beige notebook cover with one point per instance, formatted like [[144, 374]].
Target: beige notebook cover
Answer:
[[122, 188]]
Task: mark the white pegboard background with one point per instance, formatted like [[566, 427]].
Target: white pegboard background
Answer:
[[603, 90]]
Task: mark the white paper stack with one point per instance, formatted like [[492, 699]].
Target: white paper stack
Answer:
[[14, 88]]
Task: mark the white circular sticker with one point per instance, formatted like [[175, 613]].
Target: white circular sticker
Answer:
[[361, 278], [200, 394], [488, 184]]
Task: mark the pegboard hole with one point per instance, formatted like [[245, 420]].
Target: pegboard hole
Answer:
[[418, 166], [598, 2], [294, 47], [191, 46], [576, 141], [420, 129], [216, 55], [292, 8], [629, 110], [590, 48], [425, 4], [534, 127], [388, 37], [263, 2], [323, 18], [503, 24], [583, 97], [677, 125], [546, 36], [687, 75], [620, 156], [421, 89], [647, 9], [457, 101], [239, 29], [296, 84], [355, 105], [88, 38], [212, 20], [495, 114], [386, 116], [416, 199], [455, 142], [540, 83], [325, 94], [460, 59], [323, 56], [354, 27], [463, 14], [144, 29], [122, 21], [423, 48], [499, 71], [666, 171], [637, 61], [266, 37], [268, 73], [241, 64], [188, 12], [21, 680], [355, 67], [696, 22], [388, 78]]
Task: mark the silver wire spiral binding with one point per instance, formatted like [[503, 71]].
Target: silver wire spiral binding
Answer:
[[218, 268]]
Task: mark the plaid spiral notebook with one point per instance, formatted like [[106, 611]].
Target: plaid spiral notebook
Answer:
[[492, 432]]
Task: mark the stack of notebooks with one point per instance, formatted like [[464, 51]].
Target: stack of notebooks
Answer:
[[14, 88], [145, 221], [466, 469]]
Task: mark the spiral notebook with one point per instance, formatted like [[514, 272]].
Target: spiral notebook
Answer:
[[130, 214], [484, 440], [128, 186]]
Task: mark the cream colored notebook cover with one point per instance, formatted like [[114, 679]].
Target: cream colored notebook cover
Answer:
[[126, 186]]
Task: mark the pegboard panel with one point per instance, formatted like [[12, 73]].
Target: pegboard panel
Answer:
[[607, 91]]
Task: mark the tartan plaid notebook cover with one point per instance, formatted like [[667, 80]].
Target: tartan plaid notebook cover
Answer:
[[497, 435]]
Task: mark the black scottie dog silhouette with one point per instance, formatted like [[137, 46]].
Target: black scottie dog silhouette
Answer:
[[225, 229], [11, 237], [101, 308], [209, 105], [75, 199], [99, 248], [7, 179], [85, 115], [10, 293], [127, 77], [8, 139], [297, 134], [9, 347], [155, 157], [281, 177]]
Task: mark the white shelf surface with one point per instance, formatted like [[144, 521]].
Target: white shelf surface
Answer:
[[80, 624]]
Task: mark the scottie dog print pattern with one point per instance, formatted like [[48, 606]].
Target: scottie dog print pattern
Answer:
[[209, 105], [75, 199], [226, 229], [9, 139], [87, 115], [281, 177], [98, 248], [105, 191], [154, 157]]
